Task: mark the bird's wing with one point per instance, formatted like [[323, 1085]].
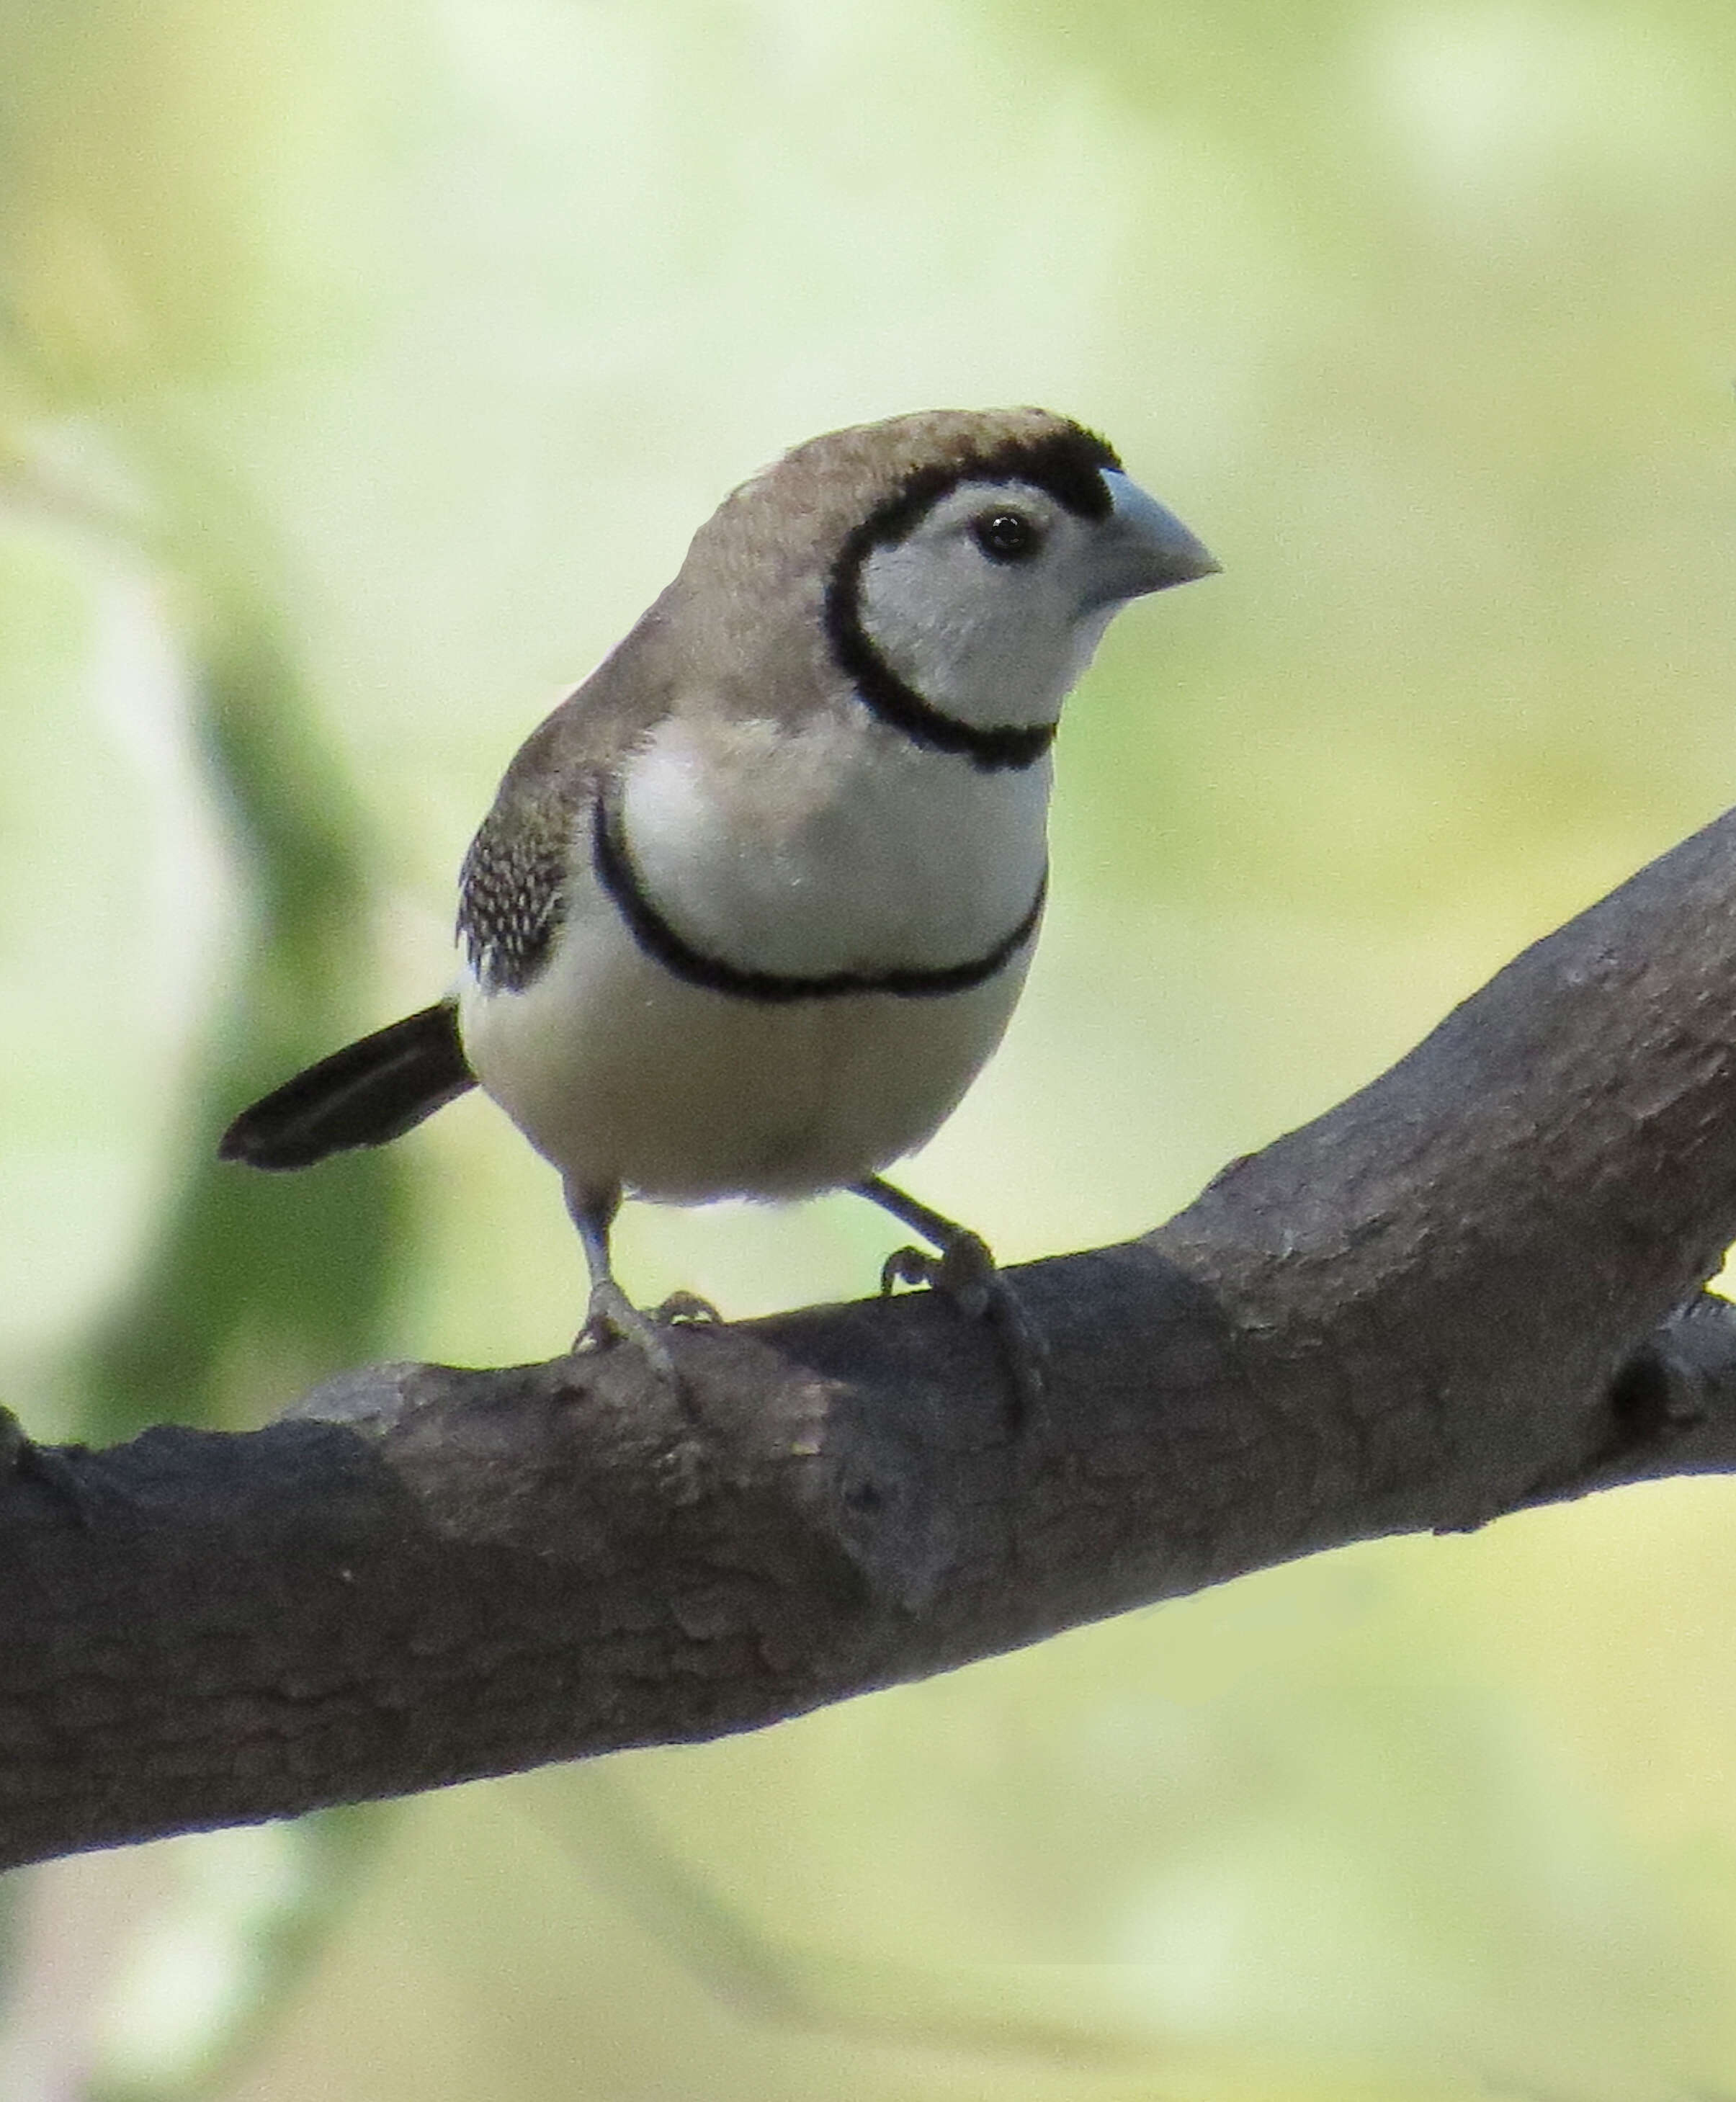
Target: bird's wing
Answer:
[[512, 891]]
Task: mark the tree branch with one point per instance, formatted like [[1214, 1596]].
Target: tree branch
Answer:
[[1450, 1297]]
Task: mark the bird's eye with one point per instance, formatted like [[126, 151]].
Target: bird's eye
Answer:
[[1006, 536]]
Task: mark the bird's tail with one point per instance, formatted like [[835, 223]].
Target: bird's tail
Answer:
[[363, 1095]]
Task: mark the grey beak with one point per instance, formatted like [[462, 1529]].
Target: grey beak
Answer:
[[1145, 547]]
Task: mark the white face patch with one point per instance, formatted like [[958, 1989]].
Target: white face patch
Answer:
[[993, 640]]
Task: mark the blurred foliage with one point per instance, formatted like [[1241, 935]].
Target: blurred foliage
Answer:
[[249, 1288], [239, 1916], [363, 367]]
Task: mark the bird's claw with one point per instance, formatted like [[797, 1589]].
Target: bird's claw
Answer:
[[965, 1273], [907, 1265], [613, 1318], [687, 1310]]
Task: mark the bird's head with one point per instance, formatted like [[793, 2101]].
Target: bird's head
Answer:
[[971, 559]]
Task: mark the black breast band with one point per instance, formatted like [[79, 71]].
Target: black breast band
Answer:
[[659, 941]]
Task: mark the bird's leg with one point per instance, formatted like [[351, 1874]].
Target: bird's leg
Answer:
[[611, 1316], [965, 1271]]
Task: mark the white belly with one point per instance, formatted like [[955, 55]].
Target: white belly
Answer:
[[626, 1076]]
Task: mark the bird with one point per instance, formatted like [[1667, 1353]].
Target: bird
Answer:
[[755, 904]]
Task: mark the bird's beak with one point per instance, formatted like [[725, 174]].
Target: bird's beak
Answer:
[[1142, 547]]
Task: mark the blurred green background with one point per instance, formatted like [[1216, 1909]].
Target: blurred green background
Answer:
[[364, 367]]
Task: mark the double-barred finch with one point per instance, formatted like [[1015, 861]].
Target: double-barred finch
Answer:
[[754, 905]]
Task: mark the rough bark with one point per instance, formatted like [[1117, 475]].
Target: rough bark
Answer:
[[1472, 1286]]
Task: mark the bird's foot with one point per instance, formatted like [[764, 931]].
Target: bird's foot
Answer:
[[687, 1310], [965, 1273], [613, 1318]]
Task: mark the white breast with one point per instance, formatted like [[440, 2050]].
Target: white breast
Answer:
[[835, 847]]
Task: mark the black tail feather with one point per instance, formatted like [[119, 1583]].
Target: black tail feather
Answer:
[[363, 1095]]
